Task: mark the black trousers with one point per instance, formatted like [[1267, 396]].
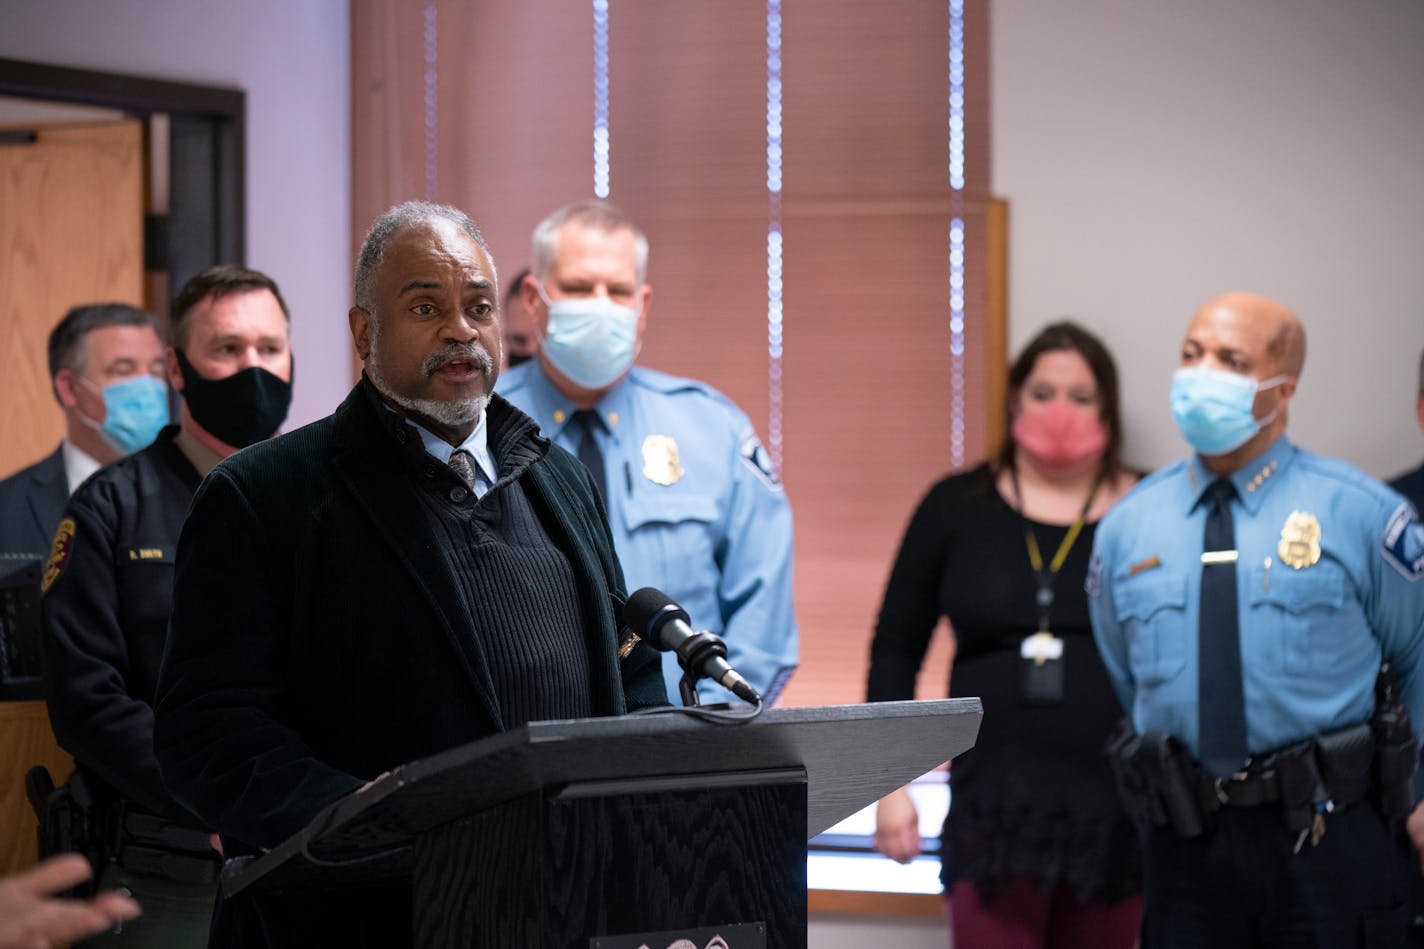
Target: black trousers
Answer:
[[1242, 884], [1416, 896]]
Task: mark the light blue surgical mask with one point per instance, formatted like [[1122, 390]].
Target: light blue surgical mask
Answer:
[[590, 339], [1212, 407], [134, 411]]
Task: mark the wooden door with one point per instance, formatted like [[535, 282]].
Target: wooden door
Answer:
[[71, 232]]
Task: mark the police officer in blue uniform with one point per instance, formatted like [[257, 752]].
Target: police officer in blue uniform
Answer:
[[695, 506], [1244, 601]]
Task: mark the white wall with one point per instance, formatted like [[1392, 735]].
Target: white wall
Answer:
[[293, 61], [831, 931], [1155, 154]]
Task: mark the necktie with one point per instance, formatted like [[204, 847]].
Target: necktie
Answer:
[[588, 451], [1221, 708], [464, 467]]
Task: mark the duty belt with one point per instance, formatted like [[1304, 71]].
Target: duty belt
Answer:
[[1162, 785], [1249, 788]]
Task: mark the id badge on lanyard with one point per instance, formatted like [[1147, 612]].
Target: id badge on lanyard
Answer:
[[1041, 654]]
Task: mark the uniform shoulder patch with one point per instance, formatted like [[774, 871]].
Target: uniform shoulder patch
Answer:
[[58, 553], [1093, 583], [1403, 545], [759, 460]]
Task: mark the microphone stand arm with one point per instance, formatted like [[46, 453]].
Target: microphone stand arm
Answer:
[[687, 688]]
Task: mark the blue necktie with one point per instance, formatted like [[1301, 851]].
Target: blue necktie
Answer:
[[589, 453], [1221, 707]]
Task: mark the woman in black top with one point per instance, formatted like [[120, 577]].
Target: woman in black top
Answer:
[[1036, 850]]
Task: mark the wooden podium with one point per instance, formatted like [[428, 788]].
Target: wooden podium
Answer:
[[616, 833]]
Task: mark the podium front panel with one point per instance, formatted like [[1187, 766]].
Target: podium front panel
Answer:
[[610, 860]]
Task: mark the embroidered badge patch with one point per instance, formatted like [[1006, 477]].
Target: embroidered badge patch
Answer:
[[58, 553], [1404, 543], [760, 461]]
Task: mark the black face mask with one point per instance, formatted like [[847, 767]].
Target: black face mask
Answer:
[[239, 410], [516, 359]]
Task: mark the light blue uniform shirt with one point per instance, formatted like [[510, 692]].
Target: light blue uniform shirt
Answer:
[[1311, 638], [695, 509]]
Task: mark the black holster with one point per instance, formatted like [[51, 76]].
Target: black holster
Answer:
[[78, 818], [1396, 756], [1159, 783], [71, 820]]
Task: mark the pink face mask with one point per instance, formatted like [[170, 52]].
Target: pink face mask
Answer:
[[1060, 435]]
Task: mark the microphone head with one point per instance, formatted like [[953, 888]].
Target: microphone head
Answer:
[[647, 610]]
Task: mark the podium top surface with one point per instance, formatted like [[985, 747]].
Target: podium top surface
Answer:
[[852, 755]]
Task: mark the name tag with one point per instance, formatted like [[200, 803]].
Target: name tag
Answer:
[[147, 555]]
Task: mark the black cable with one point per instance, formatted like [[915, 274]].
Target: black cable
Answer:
[[715, 716]]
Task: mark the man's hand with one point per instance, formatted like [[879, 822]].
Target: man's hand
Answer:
[[1415, 826], [31, 918], [897, 827]]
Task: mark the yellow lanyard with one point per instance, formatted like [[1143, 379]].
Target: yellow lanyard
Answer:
[[1044, 595], [1035, 558]]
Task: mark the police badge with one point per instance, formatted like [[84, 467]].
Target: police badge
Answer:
[[660, 461], [1300, 540]]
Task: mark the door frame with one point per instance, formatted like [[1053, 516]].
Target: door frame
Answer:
[[215, 171]]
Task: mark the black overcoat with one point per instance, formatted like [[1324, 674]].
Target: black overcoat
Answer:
[[318, 635]]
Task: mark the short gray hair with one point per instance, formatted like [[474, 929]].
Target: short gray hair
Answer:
[[397, 219], [596, 215]]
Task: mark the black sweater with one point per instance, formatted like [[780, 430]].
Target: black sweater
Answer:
[[1034, 797], [517, 585]]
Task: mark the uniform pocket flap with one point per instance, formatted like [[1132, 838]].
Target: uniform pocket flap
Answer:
[[1141, 596], [651, 507], [1296, 591]]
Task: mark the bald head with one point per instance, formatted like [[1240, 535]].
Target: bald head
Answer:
[[1248, 335], [1269, 333]]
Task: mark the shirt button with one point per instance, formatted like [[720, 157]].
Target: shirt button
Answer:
[[458, 494], [429, 471], [402, 436]]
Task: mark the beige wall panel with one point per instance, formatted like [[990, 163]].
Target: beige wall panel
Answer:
[[71, 232], [25, 741]]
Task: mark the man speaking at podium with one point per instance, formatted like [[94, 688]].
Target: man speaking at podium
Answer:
[[418, 570]]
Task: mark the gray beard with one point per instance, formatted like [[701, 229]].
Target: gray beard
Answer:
[[449, 414]]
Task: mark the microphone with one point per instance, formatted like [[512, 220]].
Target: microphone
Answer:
[[664, 625]]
